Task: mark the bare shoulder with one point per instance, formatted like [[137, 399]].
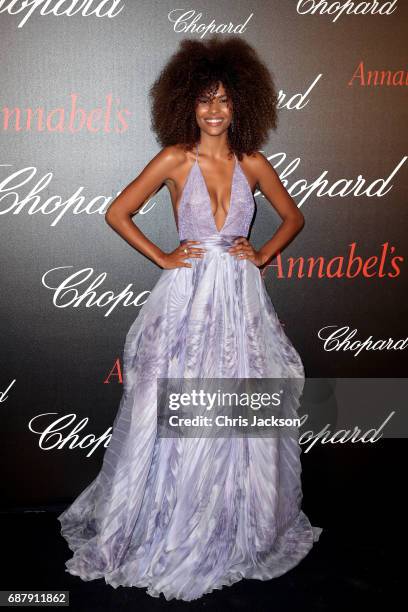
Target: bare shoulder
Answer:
[[257, 163], [171, 161], [256, 167], [173, 156]]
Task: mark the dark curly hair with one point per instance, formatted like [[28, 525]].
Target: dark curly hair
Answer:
[[198, 67]]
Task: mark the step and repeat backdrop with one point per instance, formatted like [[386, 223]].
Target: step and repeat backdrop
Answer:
[[75, 130]]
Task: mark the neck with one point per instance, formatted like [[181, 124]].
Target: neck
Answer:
[[216, 147]]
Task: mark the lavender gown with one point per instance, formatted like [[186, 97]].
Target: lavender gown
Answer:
[[185, 516]]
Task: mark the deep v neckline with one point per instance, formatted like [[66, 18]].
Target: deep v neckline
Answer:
[[231, 199]]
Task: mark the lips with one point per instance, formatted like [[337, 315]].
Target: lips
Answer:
[[214, 121]]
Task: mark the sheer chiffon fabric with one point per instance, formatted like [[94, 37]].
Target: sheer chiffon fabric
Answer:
[[185, 516]]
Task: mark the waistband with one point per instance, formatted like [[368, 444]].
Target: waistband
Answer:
[[214, 242]]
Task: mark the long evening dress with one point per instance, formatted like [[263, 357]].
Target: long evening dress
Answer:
[[184, 516]]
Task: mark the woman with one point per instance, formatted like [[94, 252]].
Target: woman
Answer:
[[183, 516]]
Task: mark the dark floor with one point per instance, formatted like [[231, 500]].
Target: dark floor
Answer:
[[356, 493], [344, 571]]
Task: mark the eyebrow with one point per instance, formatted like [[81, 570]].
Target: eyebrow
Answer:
[[216, 96]]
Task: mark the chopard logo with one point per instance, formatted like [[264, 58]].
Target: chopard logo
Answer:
[[3, 394], [349, 7], [101, 8], [37, 200], [189, 21], [79, 289], [342, 339], [64, 433]]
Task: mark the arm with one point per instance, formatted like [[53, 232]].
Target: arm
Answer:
[[144, 186], [293, 220]]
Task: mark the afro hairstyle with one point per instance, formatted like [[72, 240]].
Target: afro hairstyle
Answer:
[[196, 68]]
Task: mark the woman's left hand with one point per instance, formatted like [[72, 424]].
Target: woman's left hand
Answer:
[[243, 249]]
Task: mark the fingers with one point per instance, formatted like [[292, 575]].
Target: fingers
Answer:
[[242, 249], [192, 253], [189, 244], [191, 250], [241, 240], [240, 244]]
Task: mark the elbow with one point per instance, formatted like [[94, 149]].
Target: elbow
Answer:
[[297, 221], [115, 217], [109, 217], [300, 220]]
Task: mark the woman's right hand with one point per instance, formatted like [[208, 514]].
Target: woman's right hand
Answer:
[[176, 259]]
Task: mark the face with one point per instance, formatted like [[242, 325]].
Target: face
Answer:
[[214, 114]]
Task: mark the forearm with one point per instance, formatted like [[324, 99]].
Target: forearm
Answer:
[[283, 236], [124, 226]]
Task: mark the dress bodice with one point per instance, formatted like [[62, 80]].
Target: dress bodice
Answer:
[[195, 218]]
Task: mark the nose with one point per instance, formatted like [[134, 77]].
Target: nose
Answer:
[[214, 105]]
